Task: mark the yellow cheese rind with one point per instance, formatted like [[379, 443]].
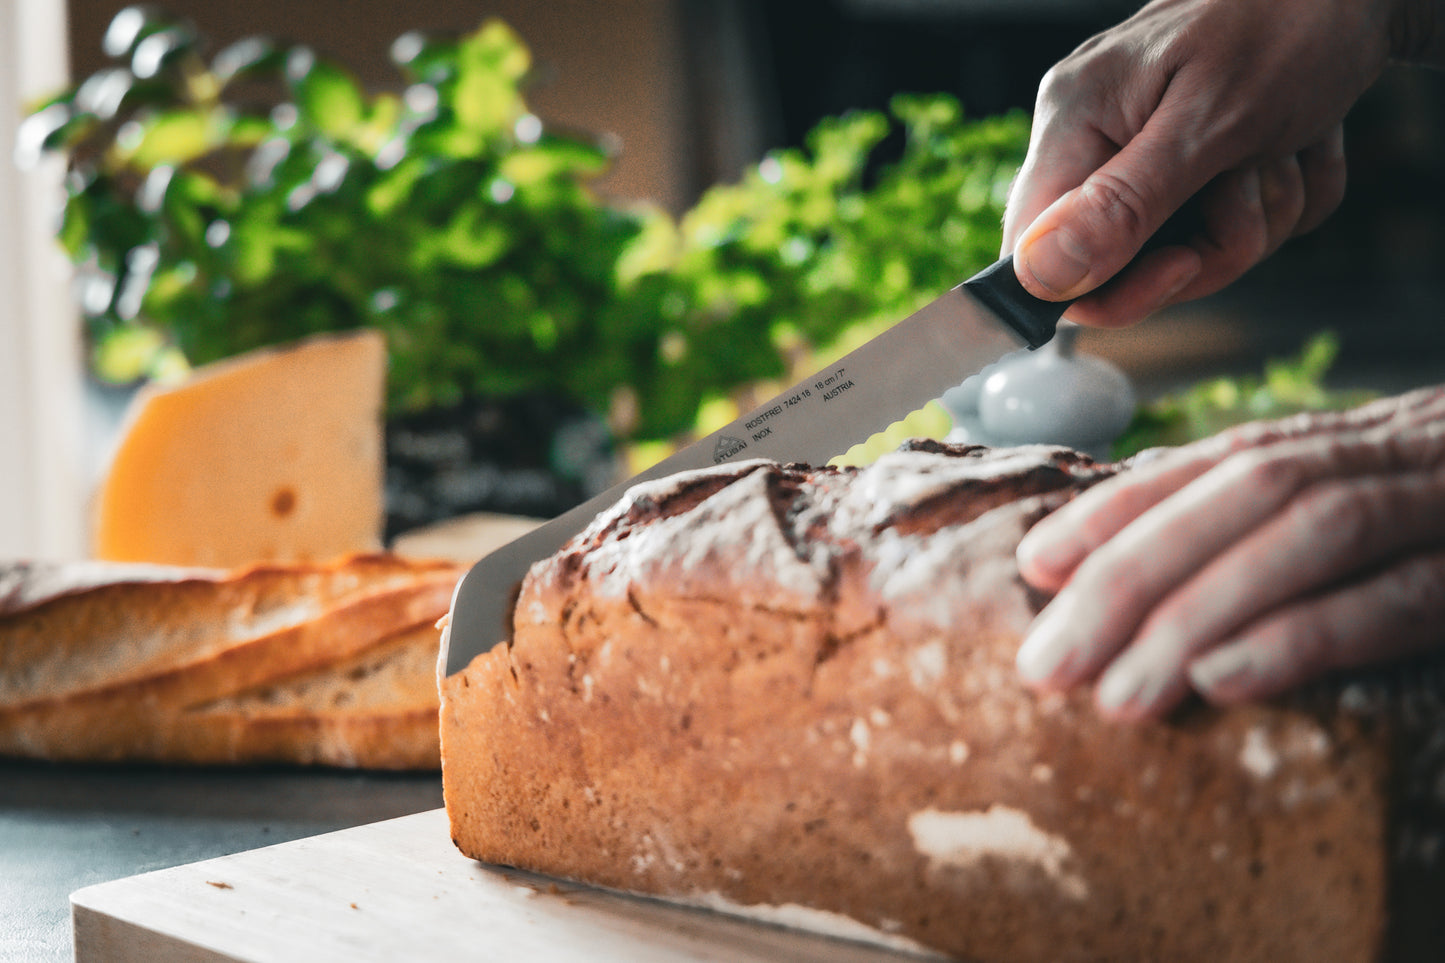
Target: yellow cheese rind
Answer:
[[275, 455]]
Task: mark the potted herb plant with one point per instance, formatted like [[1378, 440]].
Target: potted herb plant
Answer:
[[222, 202]]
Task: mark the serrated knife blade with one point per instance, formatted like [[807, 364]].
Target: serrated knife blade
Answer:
[[960, 333]]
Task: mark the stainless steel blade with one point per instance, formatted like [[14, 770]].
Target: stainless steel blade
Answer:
[[884, 380]]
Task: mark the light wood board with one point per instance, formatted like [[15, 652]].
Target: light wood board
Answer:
[[399, 890]]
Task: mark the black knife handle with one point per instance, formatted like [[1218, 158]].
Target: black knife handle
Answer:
[[1036, 320], [1033, 318]]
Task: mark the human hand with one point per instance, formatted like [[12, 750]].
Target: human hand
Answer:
[[1236, 104], [1247, 563]]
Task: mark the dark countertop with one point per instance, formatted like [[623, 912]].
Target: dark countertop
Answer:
[[66, 827]]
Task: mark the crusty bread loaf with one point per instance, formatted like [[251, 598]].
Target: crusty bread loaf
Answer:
[[790, 691], [330, 663]]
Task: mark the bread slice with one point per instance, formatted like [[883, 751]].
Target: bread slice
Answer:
[[375, 709], [105, 663], [216, 631]]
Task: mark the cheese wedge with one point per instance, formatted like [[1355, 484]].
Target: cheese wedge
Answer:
[[275, 455]]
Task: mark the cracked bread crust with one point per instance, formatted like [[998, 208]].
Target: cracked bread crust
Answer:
[[769, 685], [793, 538]]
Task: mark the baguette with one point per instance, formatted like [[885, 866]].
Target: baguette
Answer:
[[179, 665], [376, 709]]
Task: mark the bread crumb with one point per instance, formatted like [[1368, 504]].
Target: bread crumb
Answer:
[[1257, 756], [926, 664], [861, 737]]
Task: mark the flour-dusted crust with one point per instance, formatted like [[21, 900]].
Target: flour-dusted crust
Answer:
[[790, 691], [25, 583]]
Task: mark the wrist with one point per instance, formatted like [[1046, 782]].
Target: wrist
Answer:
[[1417, 32]]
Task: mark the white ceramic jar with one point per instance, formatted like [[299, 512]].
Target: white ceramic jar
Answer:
[[1050, 396]]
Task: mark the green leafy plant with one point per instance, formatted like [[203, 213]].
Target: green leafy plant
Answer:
[[810, 249], [1287, 386], [219, 204]]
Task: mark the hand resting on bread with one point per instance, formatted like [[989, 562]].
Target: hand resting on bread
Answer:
[[1247, 563]]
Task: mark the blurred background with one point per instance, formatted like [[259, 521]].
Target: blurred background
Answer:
[[694, 92]]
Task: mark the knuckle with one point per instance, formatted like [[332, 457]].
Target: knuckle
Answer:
[[1308, 642], [1299, 425], [1414, 447], [1418, 588], [1422, 407], [1117, 580], [1244, 438], [1242, 233], [1282, 191], [1342, 511], [1113, 205], [1064, 90], [1238, 121], [1267, 470], [1176, 623], [1057, 83]]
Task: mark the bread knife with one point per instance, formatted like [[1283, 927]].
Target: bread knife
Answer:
[[916, 360]]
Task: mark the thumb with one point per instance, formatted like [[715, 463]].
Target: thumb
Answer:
[[1091, 232]]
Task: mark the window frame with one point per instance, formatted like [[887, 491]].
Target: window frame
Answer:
[[43, 474]]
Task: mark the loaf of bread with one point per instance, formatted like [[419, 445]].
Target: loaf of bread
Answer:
[[300, 663], [789, 692]]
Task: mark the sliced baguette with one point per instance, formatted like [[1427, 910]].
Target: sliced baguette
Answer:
[[115, 670], [378, 708], [87, 634]]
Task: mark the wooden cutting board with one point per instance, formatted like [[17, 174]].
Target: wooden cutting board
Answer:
[[399, 890]]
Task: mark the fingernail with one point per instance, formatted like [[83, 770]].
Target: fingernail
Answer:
[[1121, 686], [1225, 671], [1251, 188], [1044, 559], [1187, 272], [1048, 650], [1274, 182], [1183, 276], [1057, 261]]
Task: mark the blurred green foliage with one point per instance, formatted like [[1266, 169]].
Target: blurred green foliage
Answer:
[[1287, 386], [263, 195]]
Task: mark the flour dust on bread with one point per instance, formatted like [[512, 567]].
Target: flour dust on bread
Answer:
[[789, 691], [308, 663]]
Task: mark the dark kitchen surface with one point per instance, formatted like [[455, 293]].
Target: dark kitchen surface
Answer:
[[66, 827]]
